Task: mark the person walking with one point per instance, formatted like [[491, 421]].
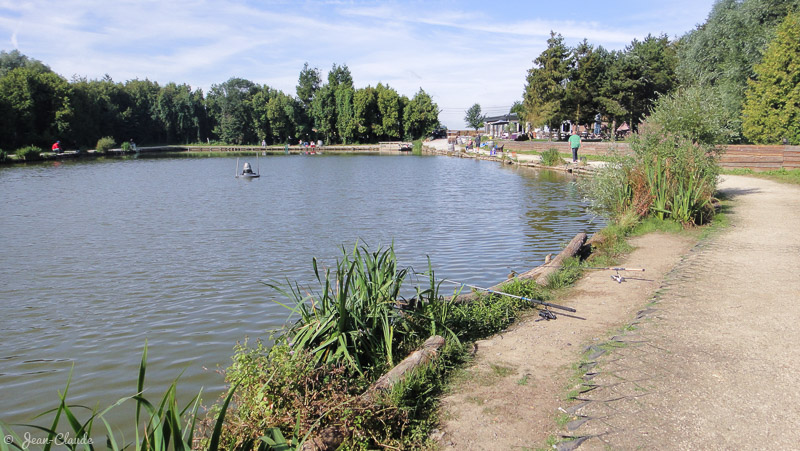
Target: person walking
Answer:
[[575, 144]]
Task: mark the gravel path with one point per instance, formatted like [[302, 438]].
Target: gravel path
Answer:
[[714, 362]]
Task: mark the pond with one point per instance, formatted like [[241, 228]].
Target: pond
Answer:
[[99, 257]]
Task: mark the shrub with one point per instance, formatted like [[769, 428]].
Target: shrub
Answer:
[[3, 155], [283, 390], [29, 153], [696, 113], [669, 176], [353, 319], [104, 144], [126, 146], [551, 157]]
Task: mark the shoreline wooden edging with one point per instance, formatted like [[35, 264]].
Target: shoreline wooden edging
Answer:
[[507, 159]]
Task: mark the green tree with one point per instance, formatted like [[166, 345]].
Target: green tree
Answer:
[[586, 76], [307, 85], [645, 71], [694, 113], [545, 84], [176, 111], [34, 107], [723, 51], [421, 116], [138, 112], [323, 111], [230, 110], [473, 117], [772, 107], [390, 109], [282, 116], [366, 113], [14, 59]]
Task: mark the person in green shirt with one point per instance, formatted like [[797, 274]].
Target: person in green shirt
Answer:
[[575, 143]]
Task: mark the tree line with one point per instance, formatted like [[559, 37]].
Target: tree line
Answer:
[[38, 107], [741, 68]]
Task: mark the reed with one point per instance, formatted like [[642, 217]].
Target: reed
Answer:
[[551, 157], [669, 176], [353, 319], [159, 426]]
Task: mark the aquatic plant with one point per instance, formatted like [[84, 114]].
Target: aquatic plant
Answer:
[[158, 426], [105, 144], [551, 157], [669, 176], [28, 153], [353, 319]]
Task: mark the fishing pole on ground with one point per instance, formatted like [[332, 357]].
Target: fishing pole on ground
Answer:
[[545, 314], [619, 278]]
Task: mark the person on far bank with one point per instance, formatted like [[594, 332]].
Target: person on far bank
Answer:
[[56, 147], [575, 144]]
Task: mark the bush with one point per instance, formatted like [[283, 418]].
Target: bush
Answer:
[[127, 147], [695, 113], [669, 176], [29, 153], [551, 157], [104, 144], [3, 155]]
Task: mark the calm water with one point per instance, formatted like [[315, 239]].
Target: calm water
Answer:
[[98, 257]]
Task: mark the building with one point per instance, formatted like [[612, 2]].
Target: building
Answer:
[[497, 125]]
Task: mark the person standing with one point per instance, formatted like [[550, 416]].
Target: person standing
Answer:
[[575, 144]]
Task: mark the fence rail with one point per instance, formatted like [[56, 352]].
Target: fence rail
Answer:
[[755, 157]]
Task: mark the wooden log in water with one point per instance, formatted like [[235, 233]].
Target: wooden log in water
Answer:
[[541, 273]]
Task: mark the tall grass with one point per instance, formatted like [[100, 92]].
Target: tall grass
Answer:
[[354, 318], [551, 157], [669, 176], [158, 426], [29, 153]]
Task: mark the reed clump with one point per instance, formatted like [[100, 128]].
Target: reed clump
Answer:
[[669, 177], [551, 157]]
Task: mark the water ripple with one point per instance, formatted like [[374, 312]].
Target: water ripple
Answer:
[[119, 252]]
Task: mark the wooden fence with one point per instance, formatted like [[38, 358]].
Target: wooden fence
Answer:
[[755, 157]]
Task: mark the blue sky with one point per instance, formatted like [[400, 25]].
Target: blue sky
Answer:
[[459, 52]]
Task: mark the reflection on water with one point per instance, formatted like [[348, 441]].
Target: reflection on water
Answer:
[[100, 256]]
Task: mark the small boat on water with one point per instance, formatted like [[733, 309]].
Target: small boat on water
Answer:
[[247, 171]]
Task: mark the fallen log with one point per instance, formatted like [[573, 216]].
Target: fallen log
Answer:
[[541, 273], [331, 438], [402, 370]]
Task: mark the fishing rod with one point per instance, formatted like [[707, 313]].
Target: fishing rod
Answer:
[[490, 291], [616, 277]]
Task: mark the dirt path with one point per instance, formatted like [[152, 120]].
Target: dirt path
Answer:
[[715, 363], [712, 363], [509, 398]]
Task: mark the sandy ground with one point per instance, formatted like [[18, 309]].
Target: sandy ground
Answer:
[[698, 352]]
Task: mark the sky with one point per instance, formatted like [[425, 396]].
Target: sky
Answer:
[[459, 52]]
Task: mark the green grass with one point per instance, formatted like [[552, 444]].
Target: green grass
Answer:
[[791, 176]]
